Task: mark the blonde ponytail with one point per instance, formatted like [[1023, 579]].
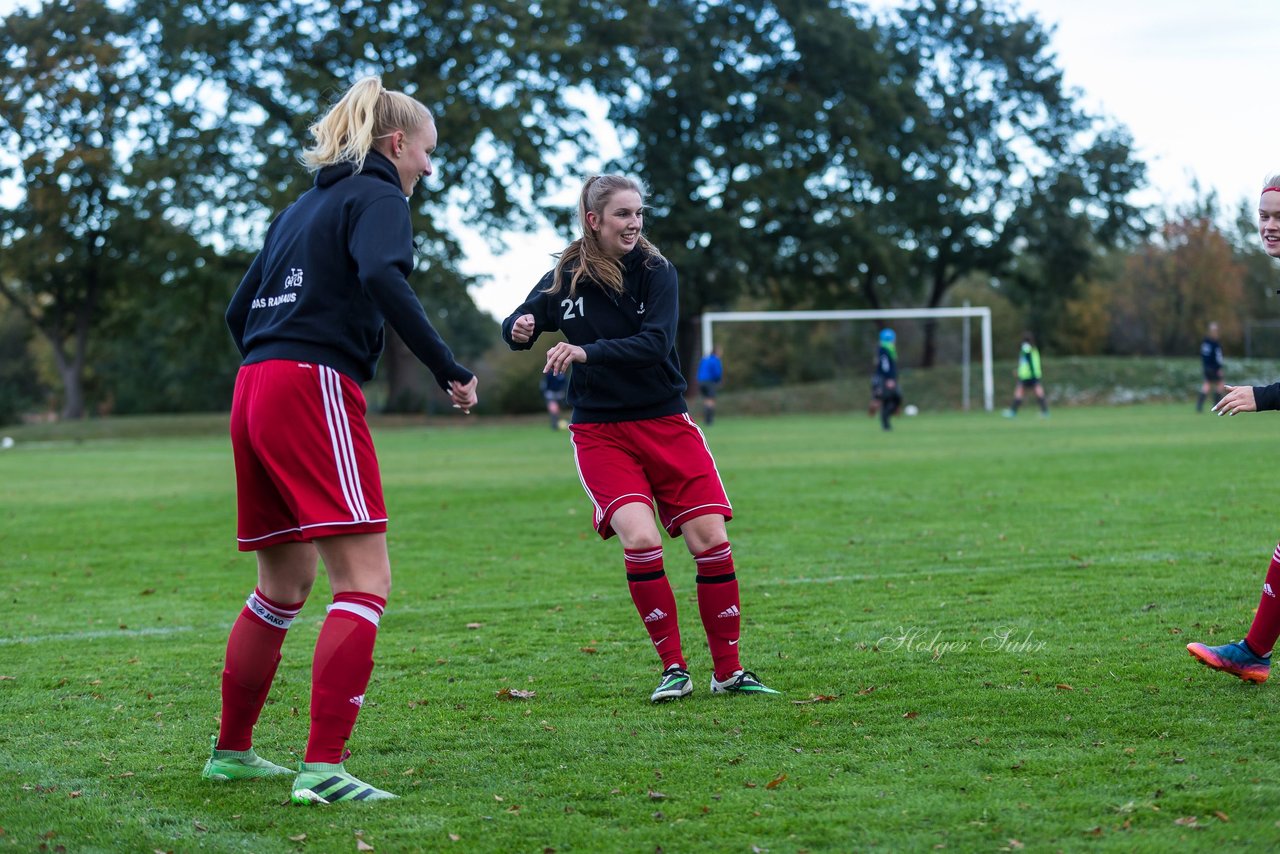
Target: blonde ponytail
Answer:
[[362, 115]]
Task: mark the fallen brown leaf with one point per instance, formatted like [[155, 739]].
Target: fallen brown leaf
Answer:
[[817, 698], [775, 782], [1063, 686], [515, 694]]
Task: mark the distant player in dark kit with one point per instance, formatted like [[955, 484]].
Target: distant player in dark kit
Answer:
[[1250, 658], [554, 388], [1029, 377], [710, 375], [884, 382], [614, 298], [308, 319], [1211, 362]]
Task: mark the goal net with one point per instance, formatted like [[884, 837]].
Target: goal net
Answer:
[[958, 352]]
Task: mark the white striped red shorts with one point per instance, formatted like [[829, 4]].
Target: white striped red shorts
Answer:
[[662, 461], [305, 464]]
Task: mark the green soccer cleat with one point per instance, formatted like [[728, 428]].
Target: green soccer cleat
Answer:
[[325, 783], [227, 765], [674, 685], [741, 682]]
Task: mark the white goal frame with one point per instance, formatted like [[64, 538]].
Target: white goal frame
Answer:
[[982, 312]]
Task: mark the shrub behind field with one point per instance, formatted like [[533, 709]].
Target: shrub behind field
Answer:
[[1069, 381]]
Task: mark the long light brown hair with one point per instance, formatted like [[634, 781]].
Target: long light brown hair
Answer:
[[365, 113], [584, 257]]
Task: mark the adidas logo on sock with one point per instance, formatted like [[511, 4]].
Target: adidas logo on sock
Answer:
[[655, 615], [731, 611], [1266, 588], [358, 700]]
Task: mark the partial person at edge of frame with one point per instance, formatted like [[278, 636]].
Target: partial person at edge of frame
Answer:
[[1250, 658]]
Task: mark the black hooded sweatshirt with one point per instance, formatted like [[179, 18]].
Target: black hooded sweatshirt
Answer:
[[335, 265]]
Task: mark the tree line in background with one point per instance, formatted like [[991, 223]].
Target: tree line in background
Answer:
[[799, 155]]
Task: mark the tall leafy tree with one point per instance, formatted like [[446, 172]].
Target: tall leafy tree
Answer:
[[76, 110], [1174, 285], [499, 77], [1008, 164], [771, 134], [811, 155]]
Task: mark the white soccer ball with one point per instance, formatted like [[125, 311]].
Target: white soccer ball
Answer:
[[910, 409], [6, 443]]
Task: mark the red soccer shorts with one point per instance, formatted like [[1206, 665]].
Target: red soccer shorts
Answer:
[[305, 464], [662, 461]]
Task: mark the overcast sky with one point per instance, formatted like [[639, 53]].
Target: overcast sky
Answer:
[[1190, 78]]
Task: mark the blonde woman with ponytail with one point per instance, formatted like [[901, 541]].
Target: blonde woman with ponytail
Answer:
[[614, 299], [308, 320], [1249, 659]]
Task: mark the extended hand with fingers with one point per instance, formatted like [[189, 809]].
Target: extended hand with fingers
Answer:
[[1239, 398], [561, 356]]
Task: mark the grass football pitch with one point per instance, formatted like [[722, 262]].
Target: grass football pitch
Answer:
[[978, 625]]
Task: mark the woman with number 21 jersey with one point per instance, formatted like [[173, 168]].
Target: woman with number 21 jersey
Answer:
[[613, 297]]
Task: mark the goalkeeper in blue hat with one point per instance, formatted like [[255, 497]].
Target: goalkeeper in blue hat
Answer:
[[885, 380]]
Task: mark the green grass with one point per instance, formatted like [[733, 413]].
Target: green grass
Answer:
[[879, 572]]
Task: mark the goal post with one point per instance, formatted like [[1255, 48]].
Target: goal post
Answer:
[[710, 318]]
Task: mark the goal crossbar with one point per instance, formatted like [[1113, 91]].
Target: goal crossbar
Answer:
[[981, 312]]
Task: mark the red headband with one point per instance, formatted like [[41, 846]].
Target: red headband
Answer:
[[1266, 190]]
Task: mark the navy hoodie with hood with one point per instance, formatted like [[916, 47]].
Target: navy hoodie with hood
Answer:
[[632, 371], [335, 265]]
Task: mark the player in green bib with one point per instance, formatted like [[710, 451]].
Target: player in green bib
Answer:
[[1029, 375]]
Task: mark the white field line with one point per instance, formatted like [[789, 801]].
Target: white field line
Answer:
[[95, 635], [521, 604]]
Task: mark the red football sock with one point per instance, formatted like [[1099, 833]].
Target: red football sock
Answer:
[[656, 604], [1266, 623], [340, 672], [718, 607], [253, 653]]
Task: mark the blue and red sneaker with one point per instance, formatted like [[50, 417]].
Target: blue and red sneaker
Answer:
[[1234, 658]]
